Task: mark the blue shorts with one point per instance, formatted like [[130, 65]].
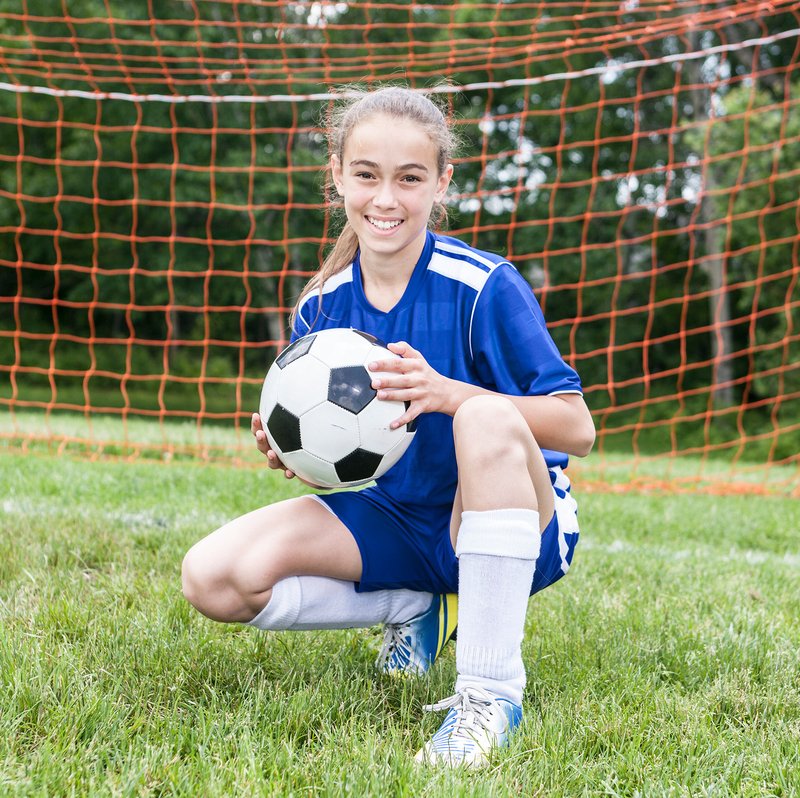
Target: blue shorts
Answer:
[[408, 546]]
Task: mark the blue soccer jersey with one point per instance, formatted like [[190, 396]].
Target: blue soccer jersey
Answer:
[[475, 319]]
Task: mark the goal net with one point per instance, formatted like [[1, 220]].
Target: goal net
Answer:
[[161, 206]]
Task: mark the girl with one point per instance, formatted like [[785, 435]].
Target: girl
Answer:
[[479, 504]]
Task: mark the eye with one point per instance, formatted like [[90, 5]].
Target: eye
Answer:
[[364, 175], [411, 179]]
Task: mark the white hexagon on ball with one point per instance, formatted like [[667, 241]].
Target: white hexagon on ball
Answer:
[[312, 469], [373, 424], [269, 393], [299, 393], [395, 453], [341, 347], [329, 432]]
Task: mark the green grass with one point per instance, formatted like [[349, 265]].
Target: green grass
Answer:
[[665, 663], [135, 438]]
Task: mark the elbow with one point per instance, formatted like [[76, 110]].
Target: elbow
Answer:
[[584, 445], [585, 438]]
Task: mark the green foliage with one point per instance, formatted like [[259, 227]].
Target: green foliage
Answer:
[[180, 234], [753, 150]]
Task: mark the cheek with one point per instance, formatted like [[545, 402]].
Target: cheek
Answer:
[[355, 196], [421, 205]]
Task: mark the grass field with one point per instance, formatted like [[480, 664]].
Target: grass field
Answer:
[[666, 663]]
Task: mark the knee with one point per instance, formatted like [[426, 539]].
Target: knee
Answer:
[[197, 578], [208, 585], [491, 427], [225, 585]]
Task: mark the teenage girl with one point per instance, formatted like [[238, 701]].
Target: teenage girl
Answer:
[[479, 505]]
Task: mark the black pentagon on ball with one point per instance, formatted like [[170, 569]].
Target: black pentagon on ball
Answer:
[[350, 387], [371, 338], [285, 429], [295, 350], [358, 465]]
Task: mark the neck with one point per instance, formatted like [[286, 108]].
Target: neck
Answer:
[[385, 278], [384, 286]]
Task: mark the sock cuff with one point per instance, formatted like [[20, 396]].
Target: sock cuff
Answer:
[[500, 533], [511, 689], [283, 608]]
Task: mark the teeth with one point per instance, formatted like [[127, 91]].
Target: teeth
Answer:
[[381, 225]]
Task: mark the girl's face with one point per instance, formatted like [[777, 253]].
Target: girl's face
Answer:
[[389, 182]]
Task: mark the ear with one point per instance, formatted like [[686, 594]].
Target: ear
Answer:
[[336, 173], [443, 182]]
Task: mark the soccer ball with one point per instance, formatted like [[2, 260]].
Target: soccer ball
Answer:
[[322, 415]]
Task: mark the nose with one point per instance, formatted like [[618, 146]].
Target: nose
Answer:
[[384, 195]]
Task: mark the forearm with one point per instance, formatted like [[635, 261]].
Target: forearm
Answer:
[[561, 422]]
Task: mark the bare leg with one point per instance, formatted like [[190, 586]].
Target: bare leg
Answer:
[[505, 500], [500, 464], [229, 575]]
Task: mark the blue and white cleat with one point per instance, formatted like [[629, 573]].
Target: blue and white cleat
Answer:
[[477, 725], [412, 647]]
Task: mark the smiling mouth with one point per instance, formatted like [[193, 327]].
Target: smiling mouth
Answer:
[[384, 225]]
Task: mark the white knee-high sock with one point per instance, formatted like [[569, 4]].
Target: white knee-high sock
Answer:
[[497, 551], [301, 603]]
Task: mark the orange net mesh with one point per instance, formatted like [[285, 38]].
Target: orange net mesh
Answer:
[[161, 207]]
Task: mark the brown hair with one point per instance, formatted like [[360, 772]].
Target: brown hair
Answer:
[[362, 104]]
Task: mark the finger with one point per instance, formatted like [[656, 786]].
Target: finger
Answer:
[[399, 388], [262, 444], [402, 348], [406, 418], [406, 395], [394, 365], [255, 423]]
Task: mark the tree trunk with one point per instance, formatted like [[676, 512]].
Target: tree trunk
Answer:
[[711, 240]]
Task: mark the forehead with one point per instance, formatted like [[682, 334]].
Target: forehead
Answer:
[[390, 141]]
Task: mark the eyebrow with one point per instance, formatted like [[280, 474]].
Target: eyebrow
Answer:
[[402, 168]]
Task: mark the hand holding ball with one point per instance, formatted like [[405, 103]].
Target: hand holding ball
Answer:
[[322, 415]]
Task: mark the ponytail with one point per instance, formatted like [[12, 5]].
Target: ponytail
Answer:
[[337, 260]]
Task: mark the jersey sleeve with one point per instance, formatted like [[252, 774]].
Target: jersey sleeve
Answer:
[[512, 349], [301, 324]]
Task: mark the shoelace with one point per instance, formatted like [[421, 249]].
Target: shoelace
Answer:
[[473, 710], [392, 641]]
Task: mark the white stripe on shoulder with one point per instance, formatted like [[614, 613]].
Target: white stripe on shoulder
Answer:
[[340, 278], [331, 284], [463, 251], [466, 266], [461, 270]]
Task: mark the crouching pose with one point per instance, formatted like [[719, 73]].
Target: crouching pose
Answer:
[[479, 505]]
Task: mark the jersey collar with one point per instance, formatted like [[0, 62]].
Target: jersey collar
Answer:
[[412, 289]]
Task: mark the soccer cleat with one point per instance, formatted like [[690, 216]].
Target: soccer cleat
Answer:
[[477, 724], [412, 647]]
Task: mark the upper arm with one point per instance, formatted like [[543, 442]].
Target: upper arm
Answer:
[[513, 350]]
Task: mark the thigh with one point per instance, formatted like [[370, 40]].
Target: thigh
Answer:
[[290, 538], [500, 463]]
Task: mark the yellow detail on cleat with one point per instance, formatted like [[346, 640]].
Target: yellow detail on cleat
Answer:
[[448, 619]]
